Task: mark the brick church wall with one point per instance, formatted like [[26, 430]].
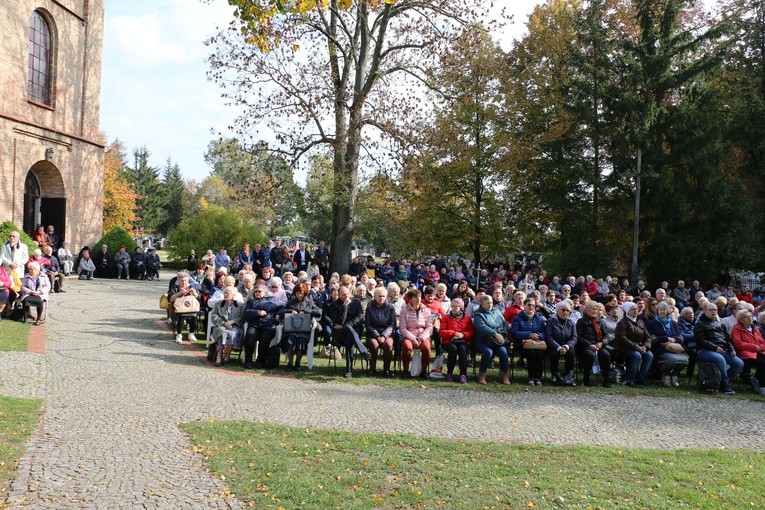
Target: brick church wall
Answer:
[[69, 126]]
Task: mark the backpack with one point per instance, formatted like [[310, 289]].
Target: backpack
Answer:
[[708, 380]]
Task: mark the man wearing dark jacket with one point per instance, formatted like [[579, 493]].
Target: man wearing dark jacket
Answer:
[[347, 317], [102, 262], [321, 256], [714, 345], [277, 258]]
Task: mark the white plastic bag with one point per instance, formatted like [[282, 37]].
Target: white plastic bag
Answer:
[[416, 367], [436, 371]]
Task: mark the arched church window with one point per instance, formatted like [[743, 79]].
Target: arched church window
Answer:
[[40, 60]]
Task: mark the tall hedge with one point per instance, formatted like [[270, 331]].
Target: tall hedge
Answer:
[[113, 239], [210, 229]]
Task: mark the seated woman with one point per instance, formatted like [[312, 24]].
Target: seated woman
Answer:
[[528, 330], [296, 344], [275, 289], [436, 308], [668, 345], [561, 339], [217, 296], [65, 258], [122, 260], [432, 276], [714, 345], [380, 322], [591, 346], [208, 259], [153, 264], [326, 321], [247, 285], [260, 313], [86, 268], [5, 288], [456, 338], [491, 338], [610, 317], [633, 344], [181, 289], [750, 347], [288, 282], [227, 318], [416, 327], [139, 264], [35, 290]]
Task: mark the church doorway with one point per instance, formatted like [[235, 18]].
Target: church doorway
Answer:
[[44, 199]]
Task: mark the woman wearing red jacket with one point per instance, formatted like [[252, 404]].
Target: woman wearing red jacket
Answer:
[[456, 338], [750, 347]]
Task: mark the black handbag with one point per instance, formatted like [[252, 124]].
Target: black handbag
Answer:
[[297, 323]]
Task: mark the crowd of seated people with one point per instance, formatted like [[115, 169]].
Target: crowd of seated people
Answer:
[[28, 279], [522, 316]]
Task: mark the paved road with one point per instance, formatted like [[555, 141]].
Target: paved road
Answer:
[[116, 386]]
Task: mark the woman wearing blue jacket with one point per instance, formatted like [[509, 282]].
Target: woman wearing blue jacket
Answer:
[[528, 330]]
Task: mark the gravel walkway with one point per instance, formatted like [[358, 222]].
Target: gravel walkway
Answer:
[[116, 386]]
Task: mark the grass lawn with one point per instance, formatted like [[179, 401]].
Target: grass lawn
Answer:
[[14, 336], [273, 466], [18, 418]]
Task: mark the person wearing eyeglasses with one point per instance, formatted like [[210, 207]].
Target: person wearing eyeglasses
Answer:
[[750, 347], [276, 290], [15, 254]]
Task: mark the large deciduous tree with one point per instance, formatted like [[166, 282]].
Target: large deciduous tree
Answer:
[[463, 169], [260, 182], [321, 72]]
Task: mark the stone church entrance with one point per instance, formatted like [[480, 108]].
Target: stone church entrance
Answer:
[[44, 199]]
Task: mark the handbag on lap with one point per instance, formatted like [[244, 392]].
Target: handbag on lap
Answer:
[[186, 304], [297, 323]]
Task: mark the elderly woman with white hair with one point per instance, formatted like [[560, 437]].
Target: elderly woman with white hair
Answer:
[[668, 345], [35, 290], [380, 321], [227, 318], [591, 344], [276, 290], [217, 296], [561, 337]]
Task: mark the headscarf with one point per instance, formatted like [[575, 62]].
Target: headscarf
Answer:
[[629, 305]]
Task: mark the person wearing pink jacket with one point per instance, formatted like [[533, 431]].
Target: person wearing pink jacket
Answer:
[[416, 327]]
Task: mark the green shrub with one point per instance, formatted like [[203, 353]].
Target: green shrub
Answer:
[[210, 229], [115, 238], [7, 227]]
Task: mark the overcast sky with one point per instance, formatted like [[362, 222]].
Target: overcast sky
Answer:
[[155, 91]]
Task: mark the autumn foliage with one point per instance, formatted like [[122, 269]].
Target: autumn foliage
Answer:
[[119, 196]]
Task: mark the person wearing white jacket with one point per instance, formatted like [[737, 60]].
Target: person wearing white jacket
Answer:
[[15, 254]]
